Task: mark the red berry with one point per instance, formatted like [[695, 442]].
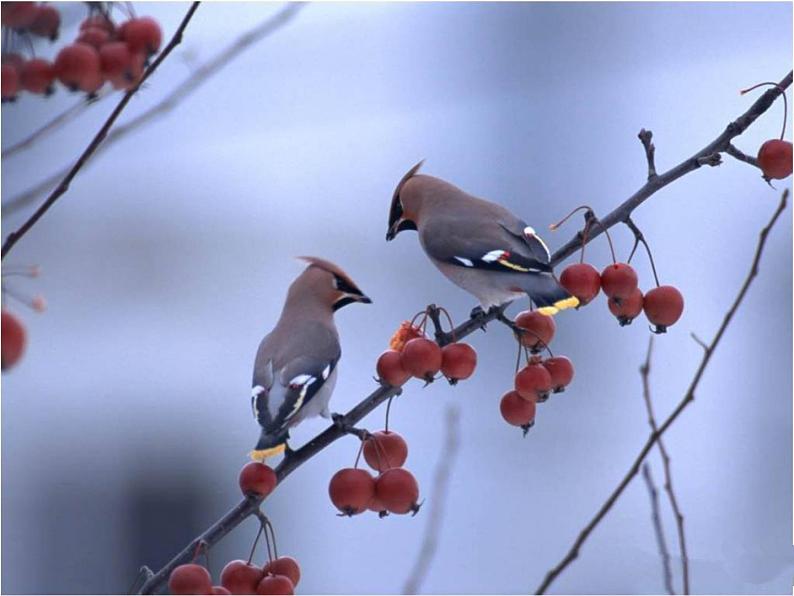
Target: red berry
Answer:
[[774, 159], [581, 280], [286, 566], [18, 15], [540, 329], [190, 579], [36, 76], [9, 81], [133, 75], [100, 21], [13, 340], [390, 368], [618, 281], [561, 371], [628, 309], [533, 382], [385, 449], [422, 358], [458, 361], [398, 490], [115, 59], [351, 490], [142, 35], [257, 479], [663, 307], [47, 22], [219, 590], [378, 507], [77, 67], [94, 36], [275, 584], [516, 410], [240, 577]]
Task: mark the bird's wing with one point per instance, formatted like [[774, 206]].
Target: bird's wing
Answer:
[[285, 382], [491, 245]]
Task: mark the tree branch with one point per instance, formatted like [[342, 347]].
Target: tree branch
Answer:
[[168, 103], [446, 461], [645, 371], [14, 237], [657, 528], [687, 399], [705, 156]]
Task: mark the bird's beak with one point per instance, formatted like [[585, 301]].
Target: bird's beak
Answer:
[[392, 231], [399, 225], [365, 300]]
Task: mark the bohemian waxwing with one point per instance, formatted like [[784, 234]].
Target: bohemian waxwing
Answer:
[[295, 366], [480, 246]]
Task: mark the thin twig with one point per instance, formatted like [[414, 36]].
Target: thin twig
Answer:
[[57, 122], [573, 552], [645, 137], [718, 145], [735, 152], [168, 103], [14, 237], [446, 462], [645, 372], [658, 529]]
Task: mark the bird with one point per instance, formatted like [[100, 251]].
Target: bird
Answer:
[[295, 368], [478, 245]]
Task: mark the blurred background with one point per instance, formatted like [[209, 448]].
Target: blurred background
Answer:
[[126, 423]]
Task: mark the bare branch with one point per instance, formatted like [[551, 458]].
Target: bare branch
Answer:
[[645, 137], [645, 371], [14, 237], [689, 396], [446, 461], [57, 122], [657, 527], [168, 103], [735, 152], [718, 145]]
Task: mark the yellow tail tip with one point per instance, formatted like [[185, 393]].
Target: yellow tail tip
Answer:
[[261, 455], [570, 302]]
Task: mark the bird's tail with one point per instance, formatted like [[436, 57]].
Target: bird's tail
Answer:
[[269, 445], [548, 295]]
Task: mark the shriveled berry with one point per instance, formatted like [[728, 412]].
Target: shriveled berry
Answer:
[[533, 382], [275, 584], [561, 371], [47, 22], [77, 67], [14, 339], [663, 306], [422, 358], [18, 15], [516, 410], [619, 280], [286, 566], [581, 280], [405, 333], [190, 579], [257, 479], [398, 490], [628, 308], [10, 82], [142, 35], [390, 368], [240, 577], [94, 36], [351, 490], [539, 329], [458, 361], [385, 449], [36, 76], [774, 159]]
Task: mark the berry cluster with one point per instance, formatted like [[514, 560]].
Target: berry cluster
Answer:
[[663, 305], [539, 377], [775, 156], [102, 52], [395, 490], [412, 354]]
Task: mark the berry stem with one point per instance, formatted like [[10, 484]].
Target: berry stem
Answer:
[[256, 541], [388, 411], [640, 237], [358, 456], [451, 324], [785, 102]]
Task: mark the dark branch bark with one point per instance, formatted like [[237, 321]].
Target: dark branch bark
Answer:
[[573, 552], [14, 237], [704, 156]]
